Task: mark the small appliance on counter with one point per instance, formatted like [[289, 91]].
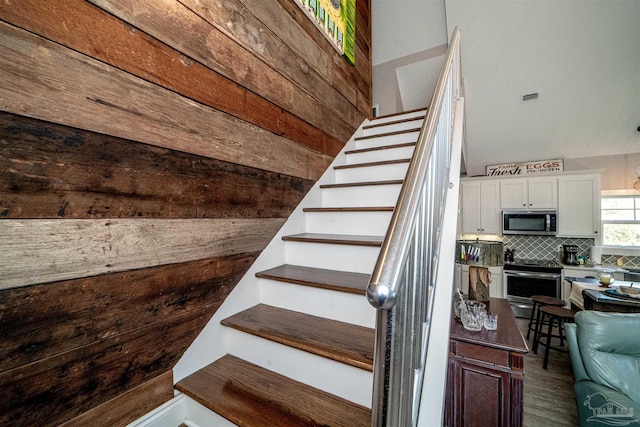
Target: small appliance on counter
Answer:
[[508, 255], [570, 255]]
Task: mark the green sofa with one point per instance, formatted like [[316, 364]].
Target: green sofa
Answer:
[[605, 354]]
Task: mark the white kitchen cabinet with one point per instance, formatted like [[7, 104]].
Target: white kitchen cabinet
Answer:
[[574, 272], [579, 206], [495, 288], [529, 193], [481, 207]]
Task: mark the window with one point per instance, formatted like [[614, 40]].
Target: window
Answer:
[[621, 220]]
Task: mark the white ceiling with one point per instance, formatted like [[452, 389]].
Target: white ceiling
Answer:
[[582, 56]]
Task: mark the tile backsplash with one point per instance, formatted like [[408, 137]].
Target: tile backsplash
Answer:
[[537, 247], [546, 248]]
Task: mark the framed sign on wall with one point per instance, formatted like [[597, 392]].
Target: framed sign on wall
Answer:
[[337, 21]]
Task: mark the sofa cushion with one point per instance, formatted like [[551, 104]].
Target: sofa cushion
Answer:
[[610, 349]]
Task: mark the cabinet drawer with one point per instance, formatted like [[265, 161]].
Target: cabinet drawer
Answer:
[[482, 353]]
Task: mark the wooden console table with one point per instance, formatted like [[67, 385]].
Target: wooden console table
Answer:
[[485, 373]]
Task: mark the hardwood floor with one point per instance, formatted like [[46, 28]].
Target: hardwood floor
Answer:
[[549, 399]]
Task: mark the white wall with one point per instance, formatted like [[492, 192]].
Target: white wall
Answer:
[[409, 41], [618, 170], [583, 56]]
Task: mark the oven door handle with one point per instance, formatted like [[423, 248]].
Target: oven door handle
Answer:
[[533, 275], [525, 306]]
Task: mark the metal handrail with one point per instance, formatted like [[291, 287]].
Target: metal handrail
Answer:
[[401, 286]]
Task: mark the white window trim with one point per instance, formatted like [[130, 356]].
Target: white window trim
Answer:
[[620, 250]]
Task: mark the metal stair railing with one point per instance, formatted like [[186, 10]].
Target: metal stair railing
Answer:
[[402, 286]]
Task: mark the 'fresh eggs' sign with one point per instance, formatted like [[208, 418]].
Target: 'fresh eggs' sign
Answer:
[[526, 168]]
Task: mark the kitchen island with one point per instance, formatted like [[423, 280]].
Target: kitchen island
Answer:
[[588, 294], [485, 372]]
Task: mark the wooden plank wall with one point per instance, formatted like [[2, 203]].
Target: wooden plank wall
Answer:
[[149, 151]]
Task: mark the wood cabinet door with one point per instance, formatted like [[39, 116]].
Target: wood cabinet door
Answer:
[[481, 396]]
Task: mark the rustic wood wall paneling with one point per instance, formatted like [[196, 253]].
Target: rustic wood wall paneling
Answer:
[[237, 22], [83, 342], [52, 171], [63, 386], [59, 249], [89, 94], [130, 405], [185, 31], [318, 54], [40, 321], [88, 29], [112, 246], [360, 78]]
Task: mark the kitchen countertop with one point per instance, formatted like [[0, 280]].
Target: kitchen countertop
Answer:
[[613, 268]]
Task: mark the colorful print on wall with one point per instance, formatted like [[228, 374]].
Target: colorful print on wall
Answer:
[[337, 21]]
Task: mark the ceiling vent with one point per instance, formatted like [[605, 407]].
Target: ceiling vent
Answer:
[[530, 97]]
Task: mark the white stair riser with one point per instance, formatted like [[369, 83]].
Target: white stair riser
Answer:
[[418, 113], [380, 155], [363, 223], [348, 382], [362, 196], [372, 173], [382, 141], [201, 416], [327, 303], [413, 124], [358, 259]]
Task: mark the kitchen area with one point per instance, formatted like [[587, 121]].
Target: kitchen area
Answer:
[[546, 227]]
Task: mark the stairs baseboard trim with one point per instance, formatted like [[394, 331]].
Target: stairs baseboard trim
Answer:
[[199, 415], [171, 413]]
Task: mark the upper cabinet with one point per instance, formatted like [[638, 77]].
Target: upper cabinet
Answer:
[[529, 193], [481, 207], [579, 205]]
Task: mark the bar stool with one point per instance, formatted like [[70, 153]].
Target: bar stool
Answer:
[[558, 316], [539, 301]]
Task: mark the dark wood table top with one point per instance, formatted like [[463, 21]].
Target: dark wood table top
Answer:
[[506, 337]]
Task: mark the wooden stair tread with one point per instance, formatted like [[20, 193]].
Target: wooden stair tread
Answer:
[[343, 281], [343, 342], [251, 396], [351, 209], [380, 148], [368, 164], [362, 183], [401, 113], [382, 135], [394, 122], [338, 239]]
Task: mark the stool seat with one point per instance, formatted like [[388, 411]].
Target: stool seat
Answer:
[[539, 301], [563, 313], [556, 315], [546, 300]]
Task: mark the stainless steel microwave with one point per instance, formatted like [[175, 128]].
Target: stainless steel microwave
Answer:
[[539, 223]]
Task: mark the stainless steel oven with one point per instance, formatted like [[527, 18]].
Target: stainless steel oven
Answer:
[[525, 278]]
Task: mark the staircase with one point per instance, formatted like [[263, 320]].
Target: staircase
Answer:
[[293, 344]]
